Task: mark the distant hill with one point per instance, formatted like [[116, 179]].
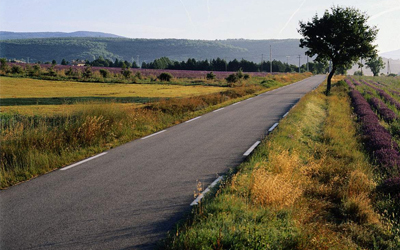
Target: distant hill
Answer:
[[5, 35], [395, 54], [90, 48]]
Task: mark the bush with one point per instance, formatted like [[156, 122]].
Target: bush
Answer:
[[104, 73], [16, 69], [246, 76], [138, 75], [165, 76], [87, 73], [211, 76], [232, 78], [126, 72], [4, 65]]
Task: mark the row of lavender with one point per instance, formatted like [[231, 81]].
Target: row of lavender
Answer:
[[192, 74], [378, 141]]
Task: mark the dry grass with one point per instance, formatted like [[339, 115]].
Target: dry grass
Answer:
[[32, 88], [311, 174], [64, 109]]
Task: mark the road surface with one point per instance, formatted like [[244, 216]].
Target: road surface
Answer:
[[129, 197]]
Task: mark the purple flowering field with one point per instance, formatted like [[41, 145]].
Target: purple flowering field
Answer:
[[378, 140], [192, 74]]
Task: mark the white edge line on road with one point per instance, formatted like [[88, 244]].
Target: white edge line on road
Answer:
[[193, 119], [218, 110], [86, 160], [250, 98], [273, 127], [248, 152], [285, 114], [197, 200], [236, 103], [153, 134]]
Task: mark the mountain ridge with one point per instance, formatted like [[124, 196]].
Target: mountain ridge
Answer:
[[8, 35]]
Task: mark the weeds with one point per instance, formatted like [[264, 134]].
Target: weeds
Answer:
[[309, 186]]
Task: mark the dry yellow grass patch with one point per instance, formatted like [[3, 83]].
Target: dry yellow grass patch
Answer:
[[278, 184], [64, 109], [32, 88]]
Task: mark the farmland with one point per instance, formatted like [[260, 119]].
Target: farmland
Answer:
[[49, 124], [31, 96], [311, 184]]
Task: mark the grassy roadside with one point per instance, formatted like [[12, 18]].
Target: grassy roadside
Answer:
[[34, 145], [309, 185]]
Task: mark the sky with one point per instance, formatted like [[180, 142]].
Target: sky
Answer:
[[192, 19]]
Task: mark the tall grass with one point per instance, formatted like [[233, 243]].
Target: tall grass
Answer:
[[308, 186], [33, 145]]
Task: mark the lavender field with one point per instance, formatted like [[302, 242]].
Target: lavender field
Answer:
[[377, 106]]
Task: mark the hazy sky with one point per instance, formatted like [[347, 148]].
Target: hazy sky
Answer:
[[192, 19]]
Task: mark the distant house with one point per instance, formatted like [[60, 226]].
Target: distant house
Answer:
[[78, 63]]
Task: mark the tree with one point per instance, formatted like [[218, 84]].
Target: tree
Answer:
[[4, 65], [375, 64], [53, 62], [342, 37], [63, 62]]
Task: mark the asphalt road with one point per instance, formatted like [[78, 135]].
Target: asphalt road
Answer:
[[131, 196]]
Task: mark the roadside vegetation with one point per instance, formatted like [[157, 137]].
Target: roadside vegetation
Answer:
[[34, 141], [311, 184]]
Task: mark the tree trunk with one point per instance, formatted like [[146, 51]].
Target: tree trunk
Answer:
[[328, 86]]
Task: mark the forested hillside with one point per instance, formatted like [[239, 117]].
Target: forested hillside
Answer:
[[47, 49]]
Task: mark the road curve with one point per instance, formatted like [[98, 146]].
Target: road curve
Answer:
[[131, 196]]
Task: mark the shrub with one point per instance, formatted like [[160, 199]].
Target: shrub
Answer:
[[4, 65], [165, 76], [104, 73], [211, 76], [232, 78], [246, 76], [138, 75], [126, 72], [16, 69], [51, 71], [87, 73]]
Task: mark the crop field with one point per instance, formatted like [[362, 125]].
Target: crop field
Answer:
[[38, 97], [376, 103], [188, 74], [47, 124]]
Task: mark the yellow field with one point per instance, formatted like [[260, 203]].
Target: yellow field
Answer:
[[31, 88], [49, 110]]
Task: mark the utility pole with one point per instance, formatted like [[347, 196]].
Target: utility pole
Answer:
[[287, 58], [388, 68], [299, 62], [270, 59], [262, 61], [138, 64], [307, 65]]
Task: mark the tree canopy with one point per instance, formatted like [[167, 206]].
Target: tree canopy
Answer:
[[341, 36], [375, 64]]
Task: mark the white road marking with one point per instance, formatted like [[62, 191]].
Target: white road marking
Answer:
[[248, 152], [250, 98], [285, 114], [86, 160], [273, 127], [218, 110], [193, 119], [153, 134], [236, 103], [197, 200]]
